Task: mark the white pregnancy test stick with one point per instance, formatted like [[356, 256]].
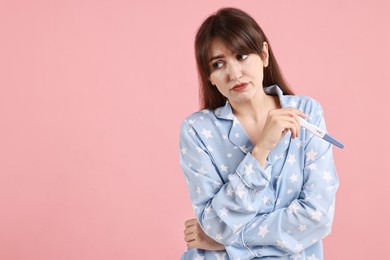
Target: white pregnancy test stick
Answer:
[[321, 133]]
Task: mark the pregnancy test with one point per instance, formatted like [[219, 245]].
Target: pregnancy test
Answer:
[[321, 133]]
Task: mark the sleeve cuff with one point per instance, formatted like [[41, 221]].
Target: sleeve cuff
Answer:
[[252, 174]]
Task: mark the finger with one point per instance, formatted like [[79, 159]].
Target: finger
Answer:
[[296, 127], [289, 124], [190, 222], [192, 244], [190, 237], [292, 123], [189, 230], [297, 112]]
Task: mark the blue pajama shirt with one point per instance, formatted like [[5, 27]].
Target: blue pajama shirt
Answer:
[[280, 211]]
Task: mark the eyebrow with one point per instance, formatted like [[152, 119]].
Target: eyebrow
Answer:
[[216, 57]]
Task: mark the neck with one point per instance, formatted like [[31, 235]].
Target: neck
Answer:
[[257, 108]]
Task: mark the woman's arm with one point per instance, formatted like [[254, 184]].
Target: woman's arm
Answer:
[[221, 209]]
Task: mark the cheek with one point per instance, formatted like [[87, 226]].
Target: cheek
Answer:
[[216, 77]]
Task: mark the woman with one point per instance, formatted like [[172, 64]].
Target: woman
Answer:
[[261, 186]]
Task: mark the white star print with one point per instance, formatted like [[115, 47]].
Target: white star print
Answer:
[[281, 243], [293, 103], [299, 247], [191, 122], [198, 257], [244, 148], [313, 166], [223, 212], [312, 257], [302, 227], [311, 156], [207, 133], [237, 135], [217, 123], [327, 176], [202, 170], [329, 188], [296, 256], [224, 168], [316, 215], [291, 159], [198, 190], [248, 169], [236, 228], [183, 151], [216, 184], [294, 178], [230, 116], [250, 209], [240, 191], [229, 155], [224, 137], [199, 149], [208, 209], [265, 199], [289, 191], [229, 192], [220, 256], [210, 148], [263, 231], [293, 208], [218, 237]]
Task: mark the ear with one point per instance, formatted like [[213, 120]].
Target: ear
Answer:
[[264, 54]]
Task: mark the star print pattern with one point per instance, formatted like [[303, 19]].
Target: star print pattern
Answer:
[[282, 210], [263, 231]]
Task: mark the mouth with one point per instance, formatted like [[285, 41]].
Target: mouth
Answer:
[[239, 87]]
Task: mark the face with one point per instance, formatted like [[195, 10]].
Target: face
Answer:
[[237, 76]]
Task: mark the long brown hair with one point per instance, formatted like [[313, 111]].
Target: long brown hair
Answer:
[[239, 32]]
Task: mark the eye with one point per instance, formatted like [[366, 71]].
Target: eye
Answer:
[[242, 56], [217, 64]]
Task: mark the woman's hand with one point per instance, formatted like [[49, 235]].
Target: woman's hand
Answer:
[[197, 238], [278, 122]]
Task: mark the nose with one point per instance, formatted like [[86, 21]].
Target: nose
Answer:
[[234, 70]]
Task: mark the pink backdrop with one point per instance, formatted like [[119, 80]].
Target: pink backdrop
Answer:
[[93, 94]]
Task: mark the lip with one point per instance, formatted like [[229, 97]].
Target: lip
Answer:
[[239, 86]]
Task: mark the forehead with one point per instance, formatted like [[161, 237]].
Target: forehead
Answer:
[[217, 47]]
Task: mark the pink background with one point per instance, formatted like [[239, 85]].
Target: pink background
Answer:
[[91, 101]]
